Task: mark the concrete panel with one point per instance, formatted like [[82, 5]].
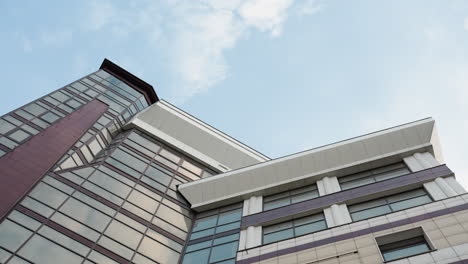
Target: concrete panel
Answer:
[[194, 137], [336, 159]]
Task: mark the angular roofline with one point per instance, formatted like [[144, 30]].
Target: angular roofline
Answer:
[[215, 131], [138, 84], [373, 149]]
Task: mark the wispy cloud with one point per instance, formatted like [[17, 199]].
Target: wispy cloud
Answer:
[[310, 7], [439, 91], [465, 23], [56, 38], [194, 35]]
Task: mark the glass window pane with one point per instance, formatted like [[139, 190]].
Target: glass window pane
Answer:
[[8, 143], [224, 239], [48, 195], [406, 195], [223, 252], [158, 175], [198, 246], [75, 226], [40, 250], [392, 174], [381, 210], [4, 255], [275, 196], [276, 203], [405, 252], [204, 223], [115, 247], [99, 258], [63, 240], [12, 235], [5, 126], [24, 114], [309, 228], [273, 237], [110, 184], [37, 206], [227, 227], [197, 257], [202, 233], [24, 220], [366, 205], [229, 217], [129, 160], [277, 227], [50, 117], [143, 201], [85, 214], [304, 196], [123, 234], [410, 203], [30, 129], [174, 217], [19, 135], [35, 109], [309, 219], [157, 251], [356, 183]]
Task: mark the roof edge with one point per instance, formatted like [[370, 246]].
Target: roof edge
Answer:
[[130, 79]]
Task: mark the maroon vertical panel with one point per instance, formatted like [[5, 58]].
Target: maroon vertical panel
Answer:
[[23, 167]]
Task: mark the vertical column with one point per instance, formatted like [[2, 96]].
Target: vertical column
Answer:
[[420, 161], [23, 167], [328, 185], [252, 235], [337, 214]]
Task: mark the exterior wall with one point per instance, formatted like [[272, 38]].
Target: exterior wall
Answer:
[[125, 207], [445, 224], [20, 125]]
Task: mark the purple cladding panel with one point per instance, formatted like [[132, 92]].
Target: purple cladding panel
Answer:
[[23, 167]]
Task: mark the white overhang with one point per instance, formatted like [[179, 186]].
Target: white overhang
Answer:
[[195, 138], [337, 159]]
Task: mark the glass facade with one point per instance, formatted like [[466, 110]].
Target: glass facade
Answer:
[[404, 248], [110, 195], [371, 176], [124, 102], [389, 204], [126, 202], [290, 197], [294, 228], [215, 236]]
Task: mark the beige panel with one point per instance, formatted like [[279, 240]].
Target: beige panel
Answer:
[[361, 153], [192, 136]]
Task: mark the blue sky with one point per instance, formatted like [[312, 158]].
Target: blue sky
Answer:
[[279, 75]]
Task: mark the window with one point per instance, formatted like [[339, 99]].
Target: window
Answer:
[[212, 251], [290, 197], [371, 176], [217, 221], [389, 204], [403, 244], [294, 228]]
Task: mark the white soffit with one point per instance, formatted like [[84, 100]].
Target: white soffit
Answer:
[[337, 159], [197, 139]]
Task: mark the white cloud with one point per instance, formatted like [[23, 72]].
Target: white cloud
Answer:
[[99, 14], [193, 35], [309, 7], [26, 44], [465, 23], [56, 38], [437, 91], [265, 15]]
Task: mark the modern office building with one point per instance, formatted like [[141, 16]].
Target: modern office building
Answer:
[[103, 171]]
